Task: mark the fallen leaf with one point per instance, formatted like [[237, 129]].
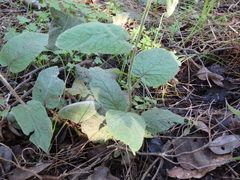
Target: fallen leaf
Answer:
[[21, 174], [193, 156], [202, 126], [102, 173], [205, 74], [180, 173], [225, 144], [6, 155]]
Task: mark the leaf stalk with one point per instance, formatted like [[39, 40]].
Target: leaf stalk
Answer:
[[134, 52]]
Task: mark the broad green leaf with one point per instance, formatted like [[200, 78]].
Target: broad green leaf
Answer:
[[155, 67], [79, 112], [95, 38], [60, 23], [233, 110], [34, 121], [95, 129], [106, 90], [171, 5], [21, 50], [127, 127], [158, 120], [48, 87]]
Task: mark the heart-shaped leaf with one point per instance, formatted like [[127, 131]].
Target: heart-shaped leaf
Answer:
[[96, 129], [106, 90], [158, 120], [155, 67], [79, 112], [60, 23], [127, 127], [48, 87], [21, 50], [33, 118], [95, 38]]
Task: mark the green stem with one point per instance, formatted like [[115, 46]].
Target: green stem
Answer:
[[158, 29], [133, 53]]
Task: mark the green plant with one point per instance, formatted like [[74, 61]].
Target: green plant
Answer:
[[110, 114], [233, 110]]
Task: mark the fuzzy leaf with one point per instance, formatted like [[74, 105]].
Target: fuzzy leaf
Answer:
[[95, 38], [127, 127], [158, 120], [48, 87], [21, 50], [60, 23], [106, 90], [171, 6], [78, 112], [155, 67], [33, 119], [95, 128]]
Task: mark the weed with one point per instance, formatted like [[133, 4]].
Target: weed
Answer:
[[110, 114]]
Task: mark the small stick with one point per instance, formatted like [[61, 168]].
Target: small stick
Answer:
[[9, 87]]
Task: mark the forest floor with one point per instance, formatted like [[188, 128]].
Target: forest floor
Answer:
[[205, 37]]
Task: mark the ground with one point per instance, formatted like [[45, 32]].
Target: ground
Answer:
[[206, 38]]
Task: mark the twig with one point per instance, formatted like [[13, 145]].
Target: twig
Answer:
[[149, 168], [9, 87]]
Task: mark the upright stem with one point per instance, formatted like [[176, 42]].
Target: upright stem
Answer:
[[134, 51]]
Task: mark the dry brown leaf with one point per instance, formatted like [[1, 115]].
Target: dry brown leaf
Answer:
[[202, 126], [180, 173], [102, 173], [194, 159], [6, 156], [225, 144], [205, 74], [192, 154], [20, 174]]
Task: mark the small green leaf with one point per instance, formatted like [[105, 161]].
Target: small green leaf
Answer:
[[60, 23], [21, 50], [155, 67], [78, 88], [95, 129], [33, 118], [127, 127], [23, 19], [78, 112], [106, 90], [95, 38], [10, 34], [158, 120], [80, 83], [233, 110], [48, 87]]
